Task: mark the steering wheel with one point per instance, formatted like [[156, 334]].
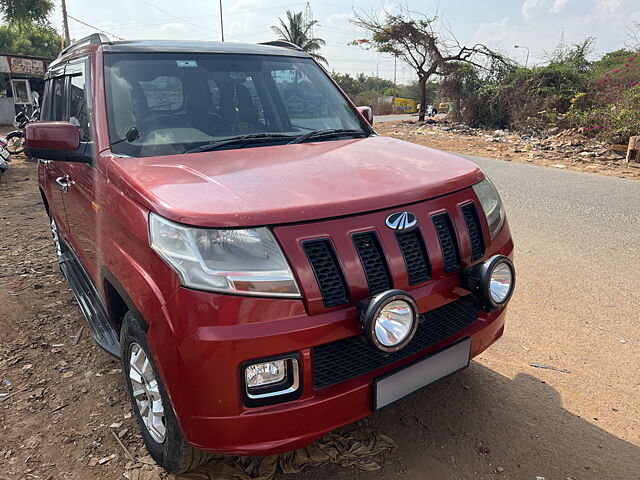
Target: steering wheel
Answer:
[[161, 120]]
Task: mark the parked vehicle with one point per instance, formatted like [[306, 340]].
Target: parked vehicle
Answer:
[[267, 267], [14, 141]]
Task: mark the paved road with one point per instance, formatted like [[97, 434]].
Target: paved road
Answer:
[[577, 308], [393, 118]]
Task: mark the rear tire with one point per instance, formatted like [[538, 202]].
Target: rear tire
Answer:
[[162, 436]]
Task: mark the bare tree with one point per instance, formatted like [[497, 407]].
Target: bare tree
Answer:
[[633, 43], [416, 42]]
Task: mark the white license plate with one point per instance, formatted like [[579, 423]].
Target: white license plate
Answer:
[[399, 384], [4, 153]]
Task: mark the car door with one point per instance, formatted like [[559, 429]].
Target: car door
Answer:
[[55, 109], [80, 199]]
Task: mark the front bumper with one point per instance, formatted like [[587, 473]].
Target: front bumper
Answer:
[[203, 376]]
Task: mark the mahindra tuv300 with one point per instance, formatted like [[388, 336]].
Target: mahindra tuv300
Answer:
[[267, 267]]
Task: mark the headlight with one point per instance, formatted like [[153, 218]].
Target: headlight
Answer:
[[247, 261], [491, 204]]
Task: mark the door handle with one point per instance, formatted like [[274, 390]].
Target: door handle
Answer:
[[65, 182]]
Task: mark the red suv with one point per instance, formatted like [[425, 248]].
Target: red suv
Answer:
[[267, 267]]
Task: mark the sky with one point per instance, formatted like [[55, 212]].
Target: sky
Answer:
[[539, 25]]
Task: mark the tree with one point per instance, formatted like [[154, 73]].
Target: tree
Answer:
[[26, 12], [297, 31], [416, 42], [40, 41], [633, 42]]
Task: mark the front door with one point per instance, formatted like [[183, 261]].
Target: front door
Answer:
[[55, 109], [80, 200]]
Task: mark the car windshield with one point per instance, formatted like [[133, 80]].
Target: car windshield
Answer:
[[172, 103]]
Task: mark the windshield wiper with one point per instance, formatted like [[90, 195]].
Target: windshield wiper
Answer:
[[240, 139], [330, 133]]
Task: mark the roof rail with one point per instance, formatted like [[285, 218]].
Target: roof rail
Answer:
[[93, 39], [282, 43]]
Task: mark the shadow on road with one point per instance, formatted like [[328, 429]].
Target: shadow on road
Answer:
[[480, 424]]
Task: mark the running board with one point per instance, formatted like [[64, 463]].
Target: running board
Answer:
[[90, 304]]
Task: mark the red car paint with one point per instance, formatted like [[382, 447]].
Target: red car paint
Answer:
[[200, 339]]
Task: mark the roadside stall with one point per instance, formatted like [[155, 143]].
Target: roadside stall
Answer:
[[24, 86]]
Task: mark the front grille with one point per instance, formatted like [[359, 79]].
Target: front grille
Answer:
[[415, 256], [448, 242], [351, 357], [373, 262], [475, 231], [328, 273]]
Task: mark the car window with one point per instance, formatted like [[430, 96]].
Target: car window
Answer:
[[46, 101], [79, 113], [163, 94], [57, 108]]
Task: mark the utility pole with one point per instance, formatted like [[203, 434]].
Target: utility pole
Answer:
[[221, 23], [65, 24], [393, 100]]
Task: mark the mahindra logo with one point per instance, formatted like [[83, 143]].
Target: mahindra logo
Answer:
[[401, 220]]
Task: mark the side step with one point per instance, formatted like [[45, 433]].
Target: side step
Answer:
[[90, 304]]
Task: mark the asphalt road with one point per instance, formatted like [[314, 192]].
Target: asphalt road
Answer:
[[393, 118], [576, 308]]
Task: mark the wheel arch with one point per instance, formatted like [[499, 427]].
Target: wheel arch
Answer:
[[118, 301]]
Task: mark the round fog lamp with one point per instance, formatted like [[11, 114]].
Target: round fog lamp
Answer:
[[492, 282], [389, 320], [500, 283]]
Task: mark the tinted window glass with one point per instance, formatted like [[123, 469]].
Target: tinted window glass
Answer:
[[79, 113], [57, 107]]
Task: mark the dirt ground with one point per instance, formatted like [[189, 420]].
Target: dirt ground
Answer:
[[499, 419], [565, 151]]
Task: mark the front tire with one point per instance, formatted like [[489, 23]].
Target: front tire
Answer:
[[151, 404], [15, 142]]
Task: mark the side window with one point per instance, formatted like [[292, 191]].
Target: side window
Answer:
[[57, 107], [46, 101], [79, 113], [163, 94]]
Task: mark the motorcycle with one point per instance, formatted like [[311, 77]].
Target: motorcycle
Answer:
[[14, 141]]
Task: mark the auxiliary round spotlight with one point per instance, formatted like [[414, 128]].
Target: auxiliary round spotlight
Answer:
[[491, 281], [389, 320]]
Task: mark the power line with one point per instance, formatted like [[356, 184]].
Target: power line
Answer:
[[166, 12], [94, 28]]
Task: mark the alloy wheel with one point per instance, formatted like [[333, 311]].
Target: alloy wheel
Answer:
[[146, 393]]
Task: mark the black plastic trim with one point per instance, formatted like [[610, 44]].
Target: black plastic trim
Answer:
[[375, 248], [346, 293]]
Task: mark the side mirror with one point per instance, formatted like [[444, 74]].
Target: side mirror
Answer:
[[58, 141], [367, 113]]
